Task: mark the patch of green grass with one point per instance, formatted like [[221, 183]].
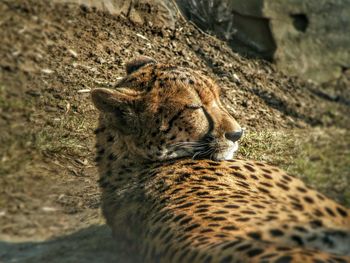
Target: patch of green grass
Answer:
[[274, 147], [319, 156]]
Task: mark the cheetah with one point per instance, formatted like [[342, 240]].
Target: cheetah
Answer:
[[172, 190]]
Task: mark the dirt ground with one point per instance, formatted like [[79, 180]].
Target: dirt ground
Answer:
[[52, 55]]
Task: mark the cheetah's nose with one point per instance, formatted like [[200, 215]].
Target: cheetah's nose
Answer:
[[234, 136]]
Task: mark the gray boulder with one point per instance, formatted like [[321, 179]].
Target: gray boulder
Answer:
[[306, 38]]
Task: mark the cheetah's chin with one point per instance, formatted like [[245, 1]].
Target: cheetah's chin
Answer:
[[227, 154]]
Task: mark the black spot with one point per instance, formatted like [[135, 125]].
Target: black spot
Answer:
[[254, 252], [284, 187], [229, 228], [175, 191], [260, 164], [266, 184], [267, 176], [219, 218], [242, 201], [203, 206], [218, 201], [318, 213], [308, 199], [263, 190], [232, 244], [301, 189], [320, 197], [185, 221], [287, 178], [342, 212], [301, 229], [220, 235], [208, 178], [183, 177], [191, 227], [298, 206], [243, 219], [284, 259], [206, 230], [212, 163], [202, 193], [270, 255], [276, 232], [178, 217], [284, 181], [231, 206], [189, 204], [330, 211], [249, 168], [269, 218], [226, 259], [235, 167], [202, 210], [297, 239], [239, 175], [254, 235], [316, 223], [254, 177], [258, 206], [166, 218], [248, 212], [244, 247], [243, 184]]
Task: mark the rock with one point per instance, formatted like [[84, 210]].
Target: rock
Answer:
[[305, 38], [311, 37]]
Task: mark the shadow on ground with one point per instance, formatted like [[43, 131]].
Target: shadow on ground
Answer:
[[92, 244]]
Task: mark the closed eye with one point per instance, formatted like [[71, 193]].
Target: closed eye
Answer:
[[194, 106]]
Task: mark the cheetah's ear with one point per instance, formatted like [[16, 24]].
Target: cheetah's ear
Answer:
[[108, 100], [138, 62]]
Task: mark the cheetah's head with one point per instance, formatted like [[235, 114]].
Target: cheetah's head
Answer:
[[162, 112]]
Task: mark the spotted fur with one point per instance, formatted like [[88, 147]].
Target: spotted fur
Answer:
[[172, 191]]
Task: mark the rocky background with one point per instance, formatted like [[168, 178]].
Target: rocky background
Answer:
[[305, 38]]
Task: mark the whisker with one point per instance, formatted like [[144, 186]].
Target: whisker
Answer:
[[189, 143]]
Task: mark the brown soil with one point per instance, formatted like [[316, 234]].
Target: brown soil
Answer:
[[51, 55]]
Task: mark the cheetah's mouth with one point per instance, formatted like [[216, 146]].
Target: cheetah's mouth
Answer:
[[208, 148]]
